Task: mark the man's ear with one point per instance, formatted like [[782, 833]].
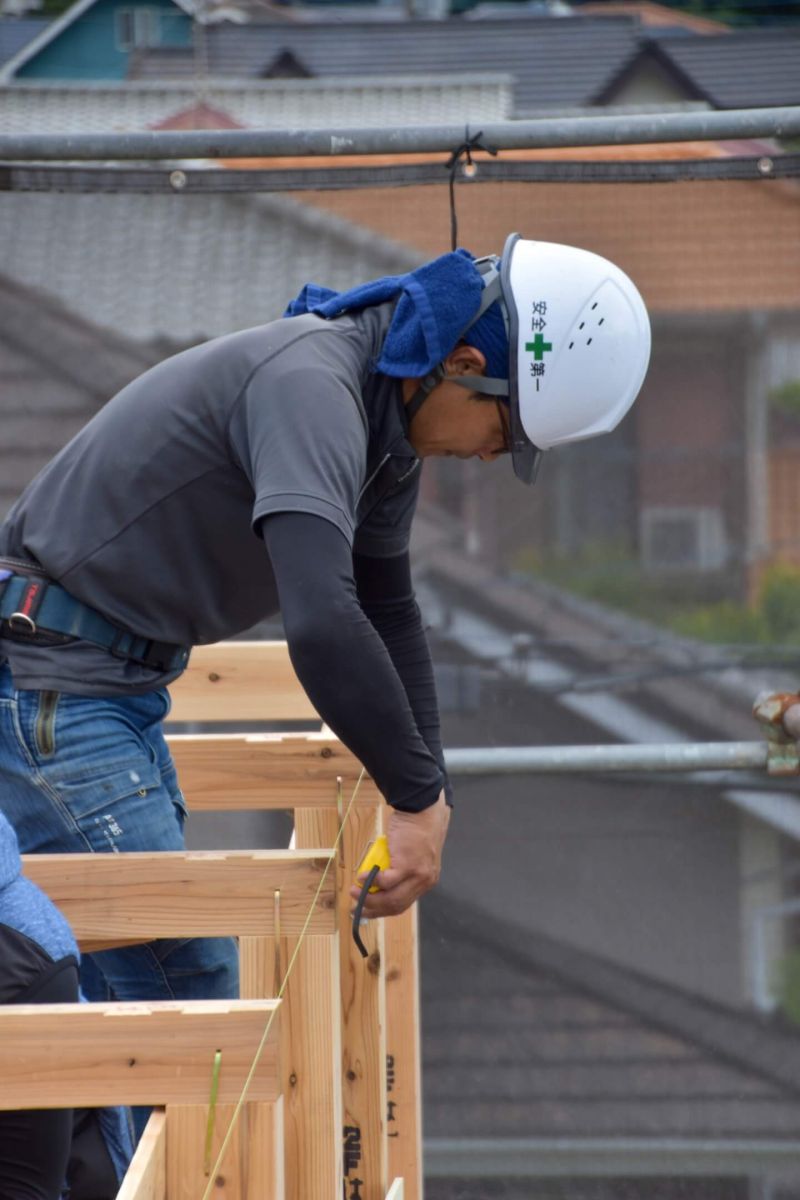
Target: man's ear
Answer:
[[465, 360]]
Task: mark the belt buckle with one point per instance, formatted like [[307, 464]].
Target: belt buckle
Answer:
[[22, 622], [19, 622]]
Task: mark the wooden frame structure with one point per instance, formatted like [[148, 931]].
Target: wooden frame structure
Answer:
[[333, 1106]]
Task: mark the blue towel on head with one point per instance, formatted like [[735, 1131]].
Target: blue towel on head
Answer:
[[435, 303], [489, 335]]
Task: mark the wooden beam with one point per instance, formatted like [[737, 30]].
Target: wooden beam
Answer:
[[260, 771], [185, 894], [240, 681], [146, 1177], [87, 1055]]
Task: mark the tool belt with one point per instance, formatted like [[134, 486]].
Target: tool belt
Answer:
[[37, 611]]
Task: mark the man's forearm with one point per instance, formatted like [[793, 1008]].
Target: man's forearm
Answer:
[[399, 624], [342, 661]]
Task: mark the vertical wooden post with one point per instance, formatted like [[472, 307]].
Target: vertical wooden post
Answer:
[[252, 1168], [363, 1062], [310, 1056], [146, 1177], [403, 1077], [403, 1060]]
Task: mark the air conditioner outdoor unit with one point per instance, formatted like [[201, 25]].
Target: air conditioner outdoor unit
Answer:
[[683, 538]]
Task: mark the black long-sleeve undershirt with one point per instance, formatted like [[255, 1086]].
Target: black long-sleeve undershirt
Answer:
[[356, 640]]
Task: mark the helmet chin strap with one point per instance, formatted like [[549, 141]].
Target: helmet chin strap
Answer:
[[473, 383], [479, 383], [424, 389]]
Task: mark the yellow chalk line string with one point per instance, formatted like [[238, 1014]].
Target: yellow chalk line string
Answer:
[[260, 1050], [212, 1112]]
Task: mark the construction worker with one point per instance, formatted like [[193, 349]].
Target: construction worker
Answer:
[[278, 468]]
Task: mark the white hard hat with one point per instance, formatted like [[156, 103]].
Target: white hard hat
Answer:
[[579, 344]]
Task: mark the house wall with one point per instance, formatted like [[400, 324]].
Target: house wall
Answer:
[[784, 503], [690, 423], [698, 247], [89, 47], [684, 423], [681, 451], [780, 366], [75, 106], [649, 83]]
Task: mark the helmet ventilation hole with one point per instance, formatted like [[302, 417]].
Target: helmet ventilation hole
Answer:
[[589, 342]]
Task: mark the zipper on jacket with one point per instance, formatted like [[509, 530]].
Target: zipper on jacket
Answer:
[[372, 477]]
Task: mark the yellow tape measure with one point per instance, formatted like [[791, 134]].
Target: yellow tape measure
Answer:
[[377, 855]]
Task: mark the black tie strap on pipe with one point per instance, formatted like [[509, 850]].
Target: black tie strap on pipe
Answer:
[[463, 151]]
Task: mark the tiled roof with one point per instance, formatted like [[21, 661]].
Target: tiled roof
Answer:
[[555, 62], [524, 1036], [197, 116], [751, 69], [55, 371], [183, 267], [16, 32], [654, 16], [373, 100]]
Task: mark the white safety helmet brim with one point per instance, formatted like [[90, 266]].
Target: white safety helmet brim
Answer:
[[524, 454]]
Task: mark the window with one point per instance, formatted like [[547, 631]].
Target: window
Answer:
[[138, 28], [683, 538]]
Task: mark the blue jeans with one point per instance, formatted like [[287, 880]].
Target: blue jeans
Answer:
[[79, 774]]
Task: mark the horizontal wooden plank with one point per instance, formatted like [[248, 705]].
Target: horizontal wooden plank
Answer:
[[189, 894], [54, 1055], [260, 771], [146, 1177], [240, 681], [90, 945]]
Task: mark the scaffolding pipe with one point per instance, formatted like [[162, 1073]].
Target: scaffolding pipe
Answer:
[[546, 1158], [557, 760], [614, 130]]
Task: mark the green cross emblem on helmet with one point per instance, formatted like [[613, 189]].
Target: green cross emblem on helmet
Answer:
[[538, 347]]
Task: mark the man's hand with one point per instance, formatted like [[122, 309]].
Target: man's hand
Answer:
[[415, 846]]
